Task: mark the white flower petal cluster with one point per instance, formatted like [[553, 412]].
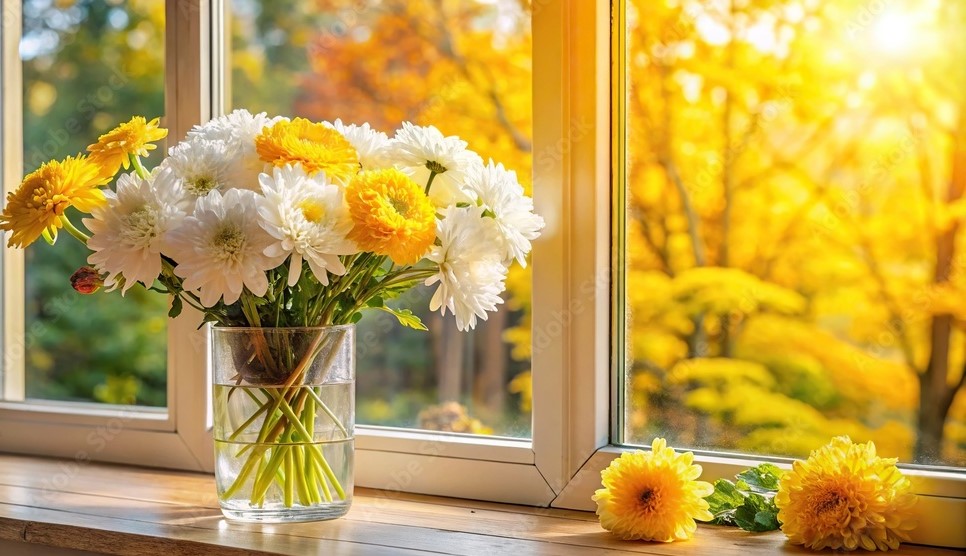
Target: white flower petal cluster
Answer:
[[128, 233], [221, 153], [471, 272], [423, 151], [220, 248], [498, 190], [308, 220], [202, 166], [371, 145]]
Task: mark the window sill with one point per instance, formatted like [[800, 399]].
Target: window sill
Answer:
[[129, 510]]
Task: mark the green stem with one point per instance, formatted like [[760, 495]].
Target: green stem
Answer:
[[138, 167], [429, 182], [328, 412], [81, 236]]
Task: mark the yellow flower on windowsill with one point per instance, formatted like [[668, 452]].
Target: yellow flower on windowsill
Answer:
[[846, 497], [653, 496]]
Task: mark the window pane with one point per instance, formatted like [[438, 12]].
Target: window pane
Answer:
[[88, 66], [795, 193], [463, 67]]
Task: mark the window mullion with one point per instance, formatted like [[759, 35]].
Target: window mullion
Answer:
[[14, 336], [571, 325], [189, 34]]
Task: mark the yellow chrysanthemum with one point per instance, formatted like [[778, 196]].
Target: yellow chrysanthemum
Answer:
[[114, 148], [391, 215], [845, 497], [653, 496], [43, 196], [315, 146]]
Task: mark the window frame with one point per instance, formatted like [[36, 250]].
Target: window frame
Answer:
[[942, 493], [578, 140]]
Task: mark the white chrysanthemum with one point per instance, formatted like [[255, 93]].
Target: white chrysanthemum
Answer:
[[420, 151], [237, 132], [502, 195], [220, 248], [371, 145], [239, 125], [308, 219], [201, 165], [471, 271], [128, 233]]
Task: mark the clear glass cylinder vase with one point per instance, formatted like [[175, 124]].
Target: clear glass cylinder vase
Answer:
[[284, 413]]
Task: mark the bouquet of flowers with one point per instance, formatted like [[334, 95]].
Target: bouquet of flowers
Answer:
[[259, 221]]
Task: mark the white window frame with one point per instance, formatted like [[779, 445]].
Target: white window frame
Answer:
[[171, 437], [574, 400]]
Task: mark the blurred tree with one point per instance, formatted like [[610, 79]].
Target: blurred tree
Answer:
[[795, 181]]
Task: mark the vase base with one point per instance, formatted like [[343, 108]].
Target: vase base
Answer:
[[281, 514]]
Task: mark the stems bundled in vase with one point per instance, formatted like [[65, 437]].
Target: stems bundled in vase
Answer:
[[283, 419], [282, 232]]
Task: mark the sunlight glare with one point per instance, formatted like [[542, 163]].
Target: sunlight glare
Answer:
[[893, 33]]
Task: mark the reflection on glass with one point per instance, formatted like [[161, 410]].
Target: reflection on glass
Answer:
[[795, 187], [463, 67], [88, 66]]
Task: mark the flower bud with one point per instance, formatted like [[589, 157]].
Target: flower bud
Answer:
[[86, 280]]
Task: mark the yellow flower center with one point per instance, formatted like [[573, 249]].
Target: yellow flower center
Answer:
[[829, 506], [201, 185], [229, 241], [312, 210], [828, 502], [140, 226], [43, 200], [649, 500], [401, 206]]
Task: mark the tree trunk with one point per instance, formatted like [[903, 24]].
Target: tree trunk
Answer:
[[935, 394], [448, 346], [490, 382], [932, 390]]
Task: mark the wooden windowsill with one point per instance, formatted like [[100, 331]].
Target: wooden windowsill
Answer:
[[128, 510]]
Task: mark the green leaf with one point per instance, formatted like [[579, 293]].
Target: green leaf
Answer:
[[176, 307], [748, 503], [406, 318], [763, 478], [376, 302], [723, 502], [356, 317], [758, 514]]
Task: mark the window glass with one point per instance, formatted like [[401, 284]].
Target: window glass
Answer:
[[87, 67], [464, 67], [795, 198]]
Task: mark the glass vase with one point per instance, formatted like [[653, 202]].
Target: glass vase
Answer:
[[284, 412]]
